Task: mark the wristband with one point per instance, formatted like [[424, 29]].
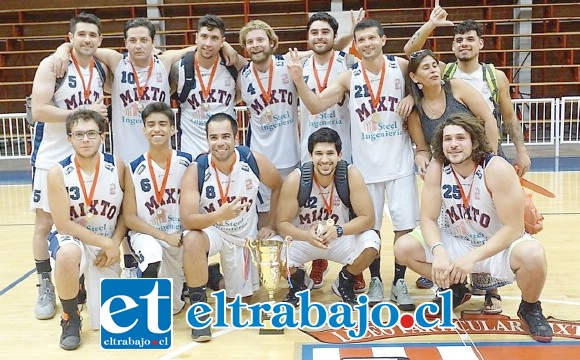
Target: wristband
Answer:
[[435, 245]]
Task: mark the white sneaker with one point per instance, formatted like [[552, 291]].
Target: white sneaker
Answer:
[[376, 291], [129, 273], [400, 295], [45, 307]]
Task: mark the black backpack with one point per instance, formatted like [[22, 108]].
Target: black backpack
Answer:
[[245, 156]]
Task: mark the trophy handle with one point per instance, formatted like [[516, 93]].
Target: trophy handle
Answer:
[[251, 245]]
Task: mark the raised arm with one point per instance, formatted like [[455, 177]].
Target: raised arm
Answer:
[[317, 102], [437, 18], [344, 41], [512, 124], [477, 105]]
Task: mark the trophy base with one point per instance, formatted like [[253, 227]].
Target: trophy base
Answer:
[[268, 329]]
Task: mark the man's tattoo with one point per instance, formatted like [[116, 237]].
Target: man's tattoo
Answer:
[[515, 132]]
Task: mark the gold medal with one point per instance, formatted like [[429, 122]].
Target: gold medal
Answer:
[[268, 111], [140, 107], [89, 215], [375, 117], [159, 211], [205, 106]]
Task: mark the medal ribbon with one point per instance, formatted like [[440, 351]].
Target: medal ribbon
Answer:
[[141, 89], [375, 99], [159, 192], [267, 95], [205, 91], [89, 197], [323, 86], [86, 87], [223, 197], [327, 204], [465, 199]]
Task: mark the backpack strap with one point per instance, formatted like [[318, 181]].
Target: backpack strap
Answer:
[[490, 76], [246, 156], [306, 176], [232, 69], [189, 82], [449, 70]]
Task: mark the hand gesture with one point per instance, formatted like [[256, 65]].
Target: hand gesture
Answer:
[[111, 253], [422, 161], [439, 16], [358, 18], [99, 107], [328, 234], [232, 210], [294, 65]]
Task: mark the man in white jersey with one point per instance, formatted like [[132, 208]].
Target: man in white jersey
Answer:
[[54, 97], [467, 43], [210, 87], [321, 69], [151, 204], [348, 238], [85, 196], [381, 148], [219, 196], [483, 203]]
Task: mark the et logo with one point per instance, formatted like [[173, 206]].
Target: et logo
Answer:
[[136, 314]]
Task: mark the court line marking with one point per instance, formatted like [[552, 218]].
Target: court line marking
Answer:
[[193, 344], [17, 281]]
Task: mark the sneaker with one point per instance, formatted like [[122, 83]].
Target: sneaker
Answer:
[[533, 318], [46, 303], [82, 295], [319, 269], [129, 273], [214, 276], [461, 294], [400, 296], [424, 283], [343, 286], [376, 291], [299, 281], [492, 302], [359, 284], [201, 335], [70, 339]]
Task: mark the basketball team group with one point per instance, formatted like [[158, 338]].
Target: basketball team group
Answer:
[[332, 138]]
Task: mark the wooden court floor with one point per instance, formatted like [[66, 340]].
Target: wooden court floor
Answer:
[[24, 337]]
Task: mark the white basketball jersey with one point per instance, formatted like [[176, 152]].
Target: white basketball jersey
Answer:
[[336, 117], [475, 79], [273, 125], [315, 209], [163, 215], [107, 198], [477, 224], [381, 148], [50, 139], [196, 110], [243, 183], [127, 125]]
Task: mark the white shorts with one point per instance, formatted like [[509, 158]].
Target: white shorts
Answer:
[[343, 250], [39, 196], [240, 274], [149, 250], [93, 274], [264, 192], [498, 266], [403, 202]]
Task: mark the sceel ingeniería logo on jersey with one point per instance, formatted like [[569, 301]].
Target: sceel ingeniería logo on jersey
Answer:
[[136, 314]]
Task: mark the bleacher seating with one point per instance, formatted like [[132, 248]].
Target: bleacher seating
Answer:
[[35, 29]]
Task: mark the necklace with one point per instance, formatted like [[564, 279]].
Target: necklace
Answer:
[[433, 113]]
